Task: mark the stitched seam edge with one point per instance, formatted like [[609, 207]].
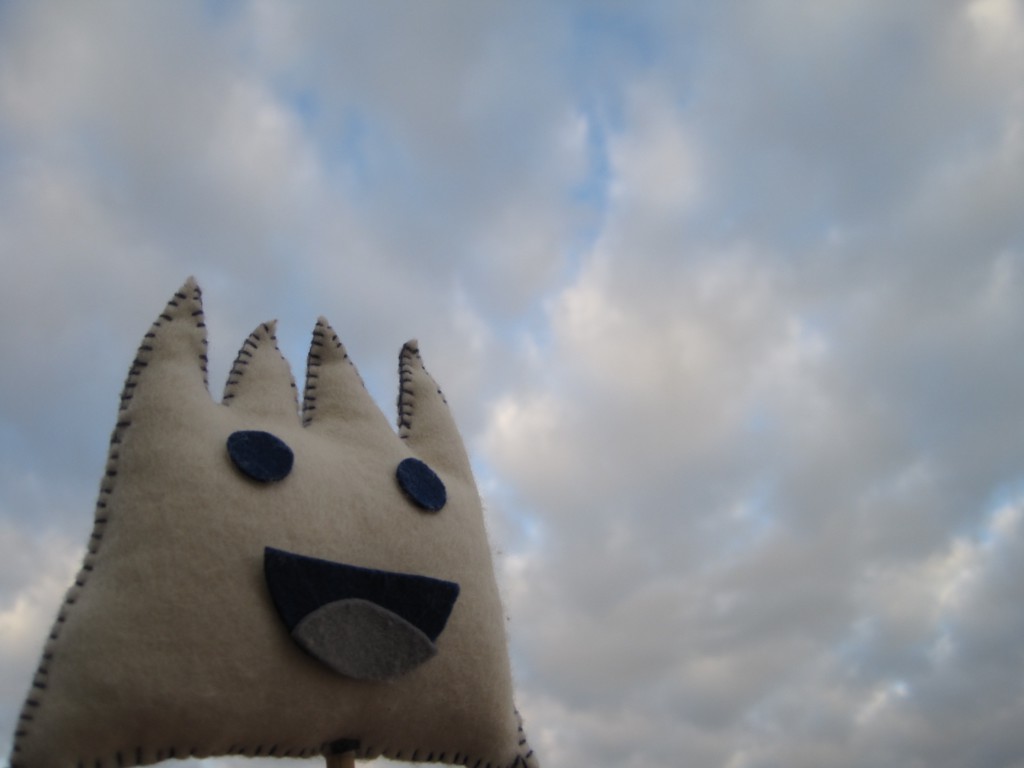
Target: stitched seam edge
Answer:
[[39, 686]]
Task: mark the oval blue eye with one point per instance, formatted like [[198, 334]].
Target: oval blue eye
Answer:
[[421, 484], [260, 455]]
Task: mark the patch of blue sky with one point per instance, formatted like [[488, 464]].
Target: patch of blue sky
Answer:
[[219, 11], [489, 482], [612, 49], [1002, 513], [592, 191], [306, 104], [589, 196], [619, 31], [350, 148], [608, 44], [526, 525], [369, 158], [608, 49], [350, 143], [614, 45]]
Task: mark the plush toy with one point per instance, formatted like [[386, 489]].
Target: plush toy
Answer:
[[268, 584]]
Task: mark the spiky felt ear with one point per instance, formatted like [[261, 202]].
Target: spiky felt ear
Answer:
[[335, 397], [258, 584], [260, 381], [424, 419]]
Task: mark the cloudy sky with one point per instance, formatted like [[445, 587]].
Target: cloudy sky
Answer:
[[727, 299]]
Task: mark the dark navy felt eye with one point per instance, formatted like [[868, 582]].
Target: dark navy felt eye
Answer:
[[421, 484], [260, 455]]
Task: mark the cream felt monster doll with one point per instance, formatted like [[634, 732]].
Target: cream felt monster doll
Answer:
[[268, 584]]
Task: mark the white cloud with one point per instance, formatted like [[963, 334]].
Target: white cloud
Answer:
[[700, 394], [37, 570], [655, 164], [725, 299], [999, 24]]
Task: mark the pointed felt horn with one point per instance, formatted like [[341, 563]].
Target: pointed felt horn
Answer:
[[335, 395], [424, 419], [157, 377], [260, 381]]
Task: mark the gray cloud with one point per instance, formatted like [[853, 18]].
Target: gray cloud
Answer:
[[794, 437], [726, 302]]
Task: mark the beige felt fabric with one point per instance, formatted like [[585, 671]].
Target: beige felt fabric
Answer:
[[168, 644]]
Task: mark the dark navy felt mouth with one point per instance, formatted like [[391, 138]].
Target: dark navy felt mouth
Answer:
[[365, 623]]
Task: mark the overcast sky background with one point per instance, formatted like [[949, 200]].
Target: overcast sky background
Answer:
[[726, 297]]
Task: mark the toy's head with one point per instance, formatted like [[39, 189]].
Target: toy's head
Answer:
[[263, 583]]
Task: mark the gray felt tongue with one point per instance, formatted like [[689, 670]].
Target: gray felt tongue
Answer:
[[362, 640]]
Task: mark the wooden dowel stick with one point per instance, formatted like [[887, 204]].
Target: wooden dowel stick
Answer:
[[344, 760]]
